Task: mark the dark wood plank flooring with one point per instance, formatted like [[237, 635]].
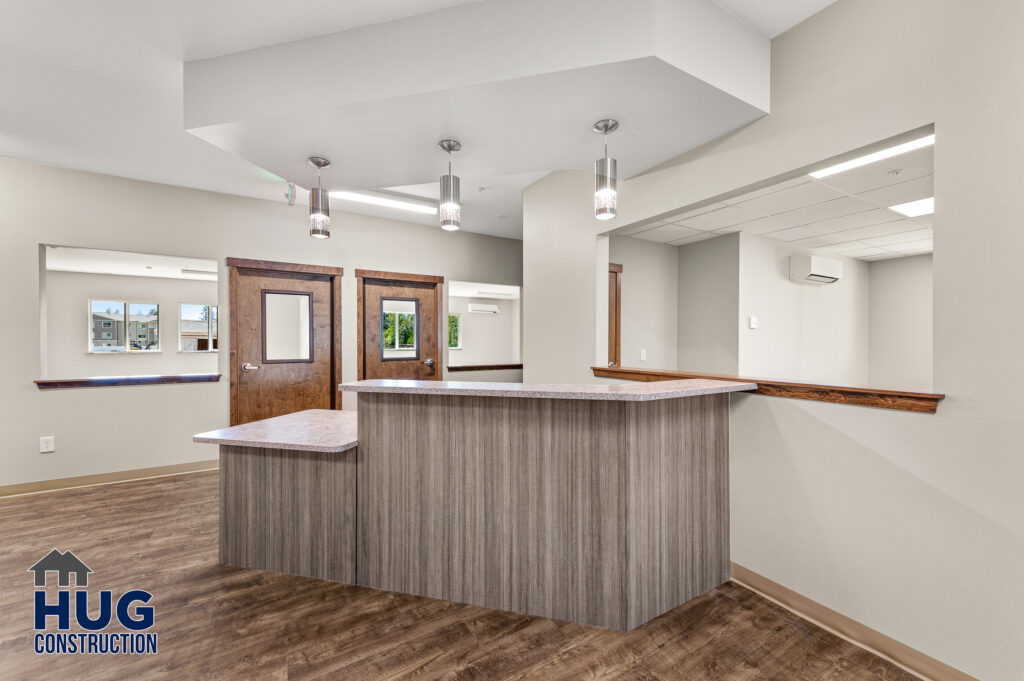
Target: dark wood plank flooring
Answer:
[[219, 623]]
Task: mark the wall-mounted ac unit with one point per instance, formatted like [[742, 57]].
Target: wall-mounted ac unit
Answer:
[[814, 269], [482, 308]]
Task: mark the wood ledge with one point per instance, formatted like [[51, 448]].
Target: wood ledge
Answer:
[[116, 381], [483, 367], [923, 403]]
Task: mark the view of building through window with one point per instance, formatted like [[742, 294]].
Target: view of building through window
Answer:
[[109, 332], [197, 327]]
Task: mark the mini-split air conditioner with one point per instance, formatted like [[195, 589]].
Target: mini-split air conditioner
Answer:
[[483, 308], [814, 269]]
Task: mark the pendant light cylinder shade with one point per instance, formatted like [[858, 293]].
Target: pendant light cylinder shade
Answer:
[[451, 207], [605, 194], [319, 213]]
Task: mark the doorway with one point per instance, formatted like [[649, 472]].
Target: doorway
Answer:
[[398, 325], [614, 315], [285, 338]]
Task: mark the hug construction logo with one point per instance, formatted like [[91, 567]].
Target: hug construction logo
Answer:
[[92, 640]]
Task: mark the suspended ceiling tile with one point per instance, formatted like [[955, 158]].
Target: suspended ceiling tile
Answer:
[[912, 165], [861, 219], [881, 229], [925, 220], [843, 247], [902, 192], [696, 211], [800, 196], [883, 256], [636, 229], [827, 210], [702, 236], [861, 252], [764, 191], [919, 245], [760, 226], [666, 233], [717, 219], [900, 237]]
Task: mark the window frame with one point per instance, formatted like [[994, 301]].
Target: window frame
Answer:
[[212, 322], [126, 307]]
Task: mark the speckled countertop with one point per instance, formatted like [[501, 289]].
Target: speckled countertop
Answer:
[[313, 430], [626, 392]]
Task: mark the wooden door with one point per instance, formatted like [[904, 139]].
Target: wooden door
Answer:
[[614, 315], [399, 325], [285, 340]]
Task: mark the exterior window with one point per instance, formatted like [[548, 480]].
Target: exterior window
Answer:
[[133, 327], [399, 331], [197, 327], [455, 332]]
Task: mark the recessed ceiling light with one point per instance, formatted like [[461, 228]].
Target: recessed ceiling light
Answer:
[[913, 209], [376, 200], [876, 156]]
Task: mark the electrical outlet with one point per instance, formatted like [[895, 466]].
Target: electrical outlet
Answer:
[[47, 444], [643, 355]]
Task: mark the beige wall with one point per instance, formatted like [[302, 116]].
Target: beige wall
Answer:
[[812, 333], [912, 524], [650, 301], [55, 206], [69, 324], [901, 324], [486, 338], [709, 305]]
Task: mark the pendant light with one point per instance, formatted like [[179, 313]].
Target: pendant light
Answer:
[[319, 203], [605, 171], [450, 209]]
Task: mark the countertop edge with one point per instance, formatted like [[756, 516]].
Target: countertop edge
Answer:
[[290, 446], [552, 394]]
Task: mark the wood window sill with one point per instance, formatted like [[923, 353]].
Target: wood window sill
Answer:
[[925, 403], [117, 381]]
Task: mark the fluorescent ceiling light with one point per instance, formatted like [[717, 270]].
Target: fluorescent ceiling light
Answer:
[[877, 156], [378, 200], [913, 209]]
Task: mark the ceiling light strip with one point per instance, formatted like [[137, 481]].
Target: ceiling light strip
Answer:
[[876, 156], [377, 200]]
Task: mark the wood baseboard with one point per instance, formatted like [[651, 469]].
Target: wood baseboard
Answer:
[[913, 661], [105, 478]]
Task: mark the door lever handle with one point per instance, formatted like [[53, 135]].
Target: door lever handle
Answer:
[[249, 367], [429, 362]]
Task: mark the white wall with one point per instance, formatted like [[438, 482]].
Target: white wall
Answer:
[[912, 524], [486, 338], [708, 305], [809, 333], [901, 324], [68, 325], [100, 211], [650, 301]]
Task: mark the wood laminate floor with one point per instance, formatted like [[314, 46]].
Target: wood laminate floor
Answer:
[[218, 623]]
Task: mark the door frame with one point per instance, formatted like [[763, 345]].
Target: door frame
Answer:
[[333, 274], [400, 279], [615, 319]]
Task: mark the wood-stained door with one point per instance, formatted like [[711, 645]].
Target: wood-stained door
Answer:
[[399, 325], [614, 315], [285, 338]]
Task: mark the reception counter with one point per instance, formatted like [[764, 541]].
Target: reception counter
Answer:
[[599, 504]]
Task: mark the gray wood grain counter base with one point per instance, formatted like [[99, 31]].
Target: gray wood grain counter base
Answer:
[[601, 512], [288, 511]]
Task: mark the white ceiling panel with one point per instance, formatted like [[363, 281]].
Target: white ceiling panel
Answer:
[[800, 196], [920, 245], [717, 219], [925, 220], [870, 231], [697, 211], [666, 233], [826, 210], [701, 236], [765, 225], [865, 251], [925, 233], [901, 192], [763, 191], [910, 166]]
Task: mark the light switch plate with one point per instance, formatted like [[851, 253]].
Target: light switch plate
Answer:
[[753, 322], [643, 355], [47, 444]]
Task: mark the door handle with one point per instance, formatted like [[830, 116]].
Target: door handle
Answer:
[[249, 367], [429, 362]]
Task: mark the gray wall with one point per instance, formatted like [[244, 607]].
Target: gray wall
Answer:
[[68, 320], [650, 301], [813, 333], [901, 324], [99, 211], [911, 524], [709, 305]]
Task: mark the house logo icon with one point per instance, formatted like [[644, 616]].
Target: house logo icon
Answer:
[[64, 564]]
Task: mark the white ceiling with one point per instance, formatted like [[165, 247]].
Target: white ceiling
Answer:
[[96, 85], [475, 289], [845, 213], [94, 261], [772, 17]]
